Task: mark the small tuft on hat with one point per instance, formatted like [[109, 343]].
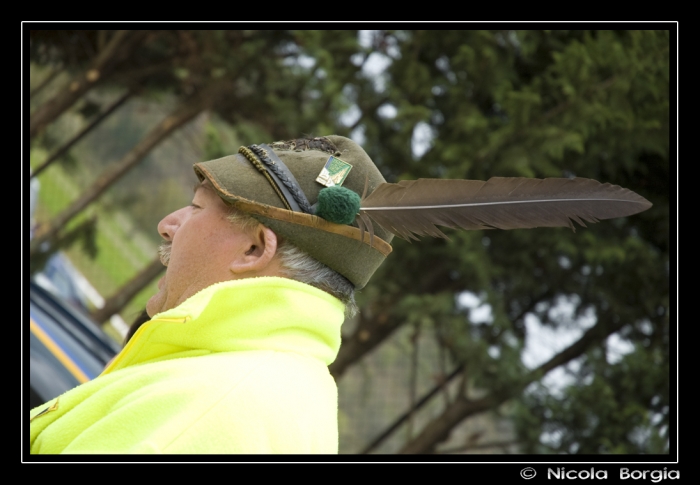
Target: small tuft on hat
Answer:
[[337, 204]]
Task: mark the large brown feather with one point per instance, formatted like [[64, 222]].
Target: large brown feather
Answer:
[[413, 208]]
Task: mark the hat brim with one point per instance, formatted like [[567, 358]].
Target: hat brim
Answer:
[[328, 243]]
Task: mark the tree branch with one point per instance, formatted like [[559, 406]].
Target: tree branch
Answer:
[[461, 408], [482, 446], [79, 136], [419, 404], [123, 295], [370, 332], [136, 75], [122, 43], [413, 378], [168, 125]]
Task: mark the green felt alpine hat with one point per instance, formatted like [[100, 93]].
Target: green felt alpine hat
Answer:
[[278, 184]]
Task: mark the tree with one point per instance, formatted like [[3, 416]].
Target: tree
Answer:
[[590, 104], [476, 104]]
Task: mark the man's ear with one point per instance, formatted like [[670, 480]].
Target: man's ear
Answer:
[[257, 259]]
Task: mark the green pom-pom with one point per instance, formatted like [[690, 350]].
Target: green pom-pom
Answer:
[[338, 204]]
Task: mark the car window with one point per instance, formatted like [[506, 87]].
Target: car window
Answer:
[[66, 348]]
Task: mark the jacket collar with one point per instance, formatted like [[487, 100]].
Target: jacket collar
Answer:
[[267, 313]]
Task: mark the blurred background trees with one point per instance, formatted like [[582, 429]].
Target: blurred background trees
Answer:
[[538, 341]]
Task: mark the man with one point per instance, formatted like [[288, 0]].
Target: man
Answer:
[[245, 321]]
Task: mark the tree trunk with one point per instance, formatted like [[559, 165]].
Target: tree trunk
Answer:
[[69, 144], [179, 117], [121, 297], [121, 45]]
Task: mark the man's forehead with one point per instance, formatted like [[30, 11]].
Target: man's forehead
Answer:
[[207, 186], [203, 184]]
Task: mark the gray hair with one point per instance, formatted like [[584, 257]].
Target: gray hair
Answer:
[[298, 265]]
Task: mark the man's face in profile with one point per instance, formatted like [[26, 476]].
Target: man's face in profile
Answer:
[[202, 245]]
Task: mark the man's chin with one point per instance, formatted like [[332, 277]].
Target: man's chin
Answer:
[[155, 304]]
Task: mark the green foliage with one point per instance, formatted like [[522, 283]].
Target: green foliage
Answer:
[[532, 103], [213, 145], [612, 408], [83, 233]]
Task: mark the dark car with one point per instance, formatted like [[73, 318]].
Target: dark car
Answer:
[[65, 347]]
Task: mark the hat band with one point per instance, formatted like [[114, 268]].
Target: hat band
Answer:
[[247, 153], [279, 176]]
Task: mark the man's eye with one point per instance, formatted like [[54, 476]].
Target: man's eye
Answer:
[[195, 206]]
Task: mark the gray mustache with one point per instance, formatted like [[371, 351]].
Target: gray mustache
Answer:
[[164, 252]]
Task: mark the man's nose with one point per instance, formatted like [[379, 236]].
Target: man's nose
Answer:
[[169, 225]]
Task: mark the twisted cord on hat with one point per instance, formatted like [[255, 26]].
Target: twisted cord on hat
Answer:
[[299, 196], [261, 168]]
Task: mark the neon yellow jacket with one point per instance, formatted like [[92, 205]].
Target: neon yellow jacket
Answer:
[[240, 367]]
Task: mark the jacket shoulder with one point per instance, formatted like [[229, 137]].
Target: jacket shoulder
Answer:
[[287, 403]]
